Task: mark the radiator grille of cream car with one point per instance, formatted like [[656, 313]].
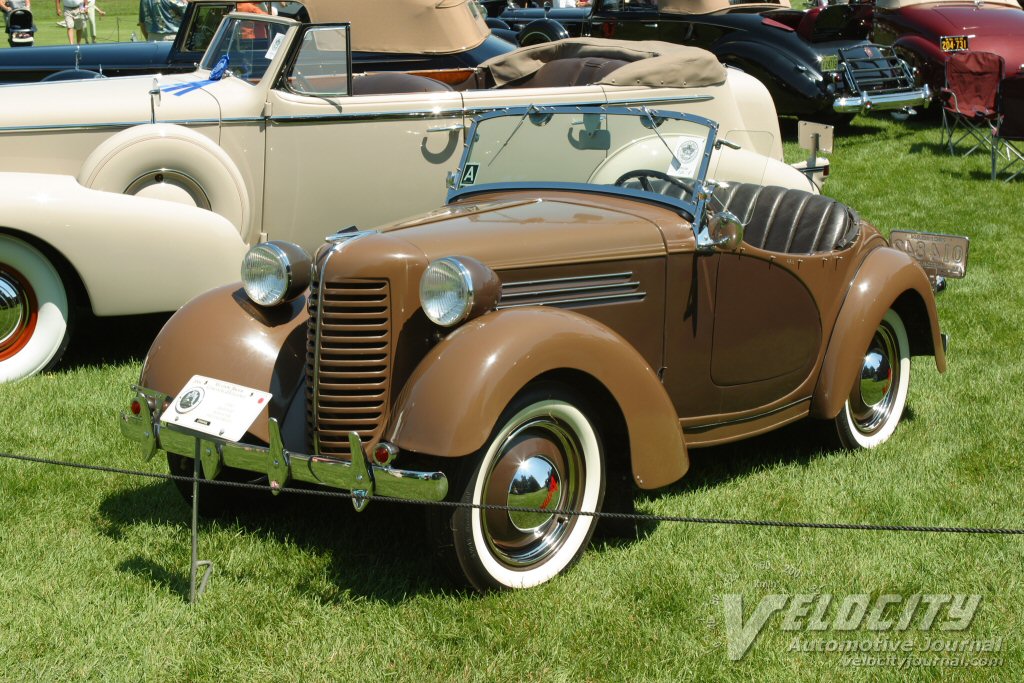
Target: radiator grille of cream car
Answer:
[[348, 362]]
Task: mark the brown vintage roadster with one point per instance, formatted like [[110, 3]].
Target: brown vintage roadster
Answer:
[[587, 305]]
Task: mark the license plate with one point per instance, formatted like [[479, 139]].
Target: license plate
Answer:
[[830, 63], [943, 255], [953, 43]]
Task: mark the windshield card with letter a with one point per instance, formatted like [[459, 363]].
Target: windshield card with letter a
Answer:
[[220, 409]]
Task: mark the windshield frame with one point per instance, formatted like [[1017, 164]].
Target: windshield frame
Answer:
[[692, 208], [214, 52]]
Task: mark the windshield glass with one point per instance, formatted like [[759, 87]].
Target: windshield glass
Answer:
[[617, 149], [246, 46]]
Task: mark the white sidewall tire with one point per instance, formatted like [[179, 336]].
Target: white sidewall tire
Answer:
[[123, 158], [849, 434], [579, 536], [49, 338]]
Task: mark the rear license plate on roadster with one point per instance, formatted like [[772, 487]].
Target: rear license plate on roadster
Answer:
[[830, 63], [944, 255], [953, 43]]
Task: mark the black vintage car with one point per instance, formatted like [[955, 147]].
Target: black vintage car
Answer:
[[475, 43], [816, 63]]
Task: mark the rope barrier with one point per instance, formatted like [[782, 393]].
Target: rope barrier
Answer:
[[329, 493]]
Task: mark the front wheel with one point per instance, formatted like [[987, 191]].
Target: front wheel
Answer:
[[546, 453], [877, 399], [34, 311]]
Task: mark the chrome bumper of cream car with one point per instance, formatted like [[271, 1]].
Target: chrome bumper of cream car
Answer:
[[866, 102], [359, 476]]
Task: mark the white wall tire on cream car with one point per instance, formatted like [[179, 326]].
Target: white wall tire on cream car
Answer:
[[173, 163], [34, 311], [876, 402], [544, 453]]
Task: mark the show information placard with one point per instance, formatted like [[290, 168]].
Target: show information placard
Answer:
[[212, 406]]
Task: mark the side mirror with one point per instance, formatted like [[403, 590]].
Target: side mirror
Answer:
[[725, 231]]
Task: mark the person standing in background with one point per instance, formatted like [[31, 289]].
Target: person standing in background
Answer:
[[91, 10], [74, 18], [160, 19]]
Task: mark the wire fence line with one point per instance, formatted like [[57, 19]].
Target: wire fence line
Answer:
[[639, 517]]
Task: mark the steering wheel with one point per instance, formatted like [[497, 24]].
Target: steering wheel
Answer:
[[644, 175]]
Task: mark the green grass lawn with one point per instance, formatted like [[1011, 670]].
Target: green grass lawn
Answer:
[[120, 22], [95, 566]]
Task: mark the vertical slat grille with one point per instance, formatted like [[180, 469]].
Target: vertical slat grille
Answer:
[[348, 365]]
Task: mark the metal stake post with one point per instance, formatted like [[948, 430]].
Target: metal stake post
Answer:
[[193, 593]]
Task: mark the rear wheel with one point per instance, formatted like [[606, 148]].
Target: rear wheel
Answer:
[[34, 311], [545, 452], [876, 401]]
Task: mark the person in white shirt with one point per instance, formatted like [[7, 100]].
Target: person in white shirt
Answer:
[[74, 18]]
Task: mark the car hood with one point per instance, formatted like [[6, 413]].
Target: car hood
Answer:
[[524, 229], [106, 101], [990, 20]]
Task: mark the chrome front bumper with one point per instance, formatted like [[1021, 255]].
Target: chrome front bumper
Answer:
[[866, 102], [359, 476]]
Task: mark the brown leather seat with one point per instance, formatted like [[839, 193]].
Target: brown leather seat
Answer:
[[789, 221], [386, 83], [779, 219]]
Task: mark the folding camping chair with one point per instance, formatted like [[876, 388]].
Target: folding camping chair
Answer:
[[1009, 129], [969, 99]]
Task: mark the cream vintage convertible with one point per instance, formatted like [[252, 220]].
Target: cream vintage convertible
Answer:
[[132, 195]]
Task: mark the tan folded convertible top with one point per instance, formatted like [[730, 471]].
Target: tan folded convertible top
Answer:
[[398, 26], [653, 63]]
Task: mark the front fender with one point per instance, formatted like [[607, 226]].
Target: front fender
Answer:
[[888, 278], [133, 255], [453, 399], [222, 334]]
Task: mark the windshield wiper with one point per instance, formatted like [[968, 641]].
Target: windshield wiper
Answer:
[[529, 110]]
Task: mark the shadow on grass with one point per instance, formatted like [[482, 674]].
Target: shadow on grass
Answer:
[[382, 553], [120, 339]]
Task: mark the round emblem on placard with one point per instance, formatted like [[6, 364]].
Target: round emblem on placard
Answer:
[[687, 151], [189, 400]]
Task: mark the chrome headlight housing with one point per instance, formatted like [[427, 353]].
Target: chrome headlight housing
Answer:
[[273, 272], [455, 288]]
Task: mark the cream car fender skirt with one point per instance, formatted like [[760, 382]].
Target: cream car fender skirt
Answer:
[[166, 161], [134, 255]]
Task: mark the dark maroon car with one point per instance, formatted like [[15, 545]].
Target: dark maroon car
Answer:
[[925, 32]]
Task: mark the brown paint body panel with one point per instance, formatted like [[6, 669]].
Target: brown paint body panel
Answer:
[[467, 380], [884, 275]]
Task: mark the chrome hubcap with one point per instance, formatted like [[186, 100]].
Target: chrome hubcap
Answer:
[[875, 394], [15, 309], [539, 465], [535, 485]]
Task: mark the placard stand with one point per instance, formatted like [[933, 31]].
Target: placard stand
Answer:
[[194, 592]]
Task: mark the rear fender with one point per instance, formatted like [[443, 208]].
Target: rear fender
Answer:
[[223, 335], [133, 255], [887, 279], [542, 31], [453, 399]]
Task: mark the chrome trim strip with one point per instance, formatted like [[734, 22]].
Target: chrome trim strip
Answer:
[[103, 126], [632, 296], [630, 284], [713, 425], [575, 278]]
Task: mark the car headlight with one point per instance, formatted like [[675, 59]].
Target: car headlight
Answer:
[[276, 271], [455, 288]]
